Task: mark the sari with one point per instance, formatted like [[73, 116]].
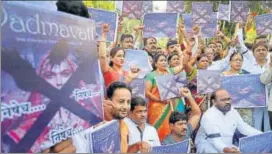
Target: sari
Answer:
[[159, 113], [199, 98]]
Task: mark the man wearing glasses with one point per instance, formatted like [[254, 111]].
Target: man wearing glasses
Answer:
[[219, 124]]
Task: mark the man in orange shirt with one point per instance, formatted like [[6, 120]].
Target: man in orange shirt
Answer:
[[117, 107]]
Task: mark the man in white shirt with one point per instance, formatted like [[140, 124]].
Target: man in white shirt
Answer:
[[139, 130], [255, 62], [219, 124], [266, 78]]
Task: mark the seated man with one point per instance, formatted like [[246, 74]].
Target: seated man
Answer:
[[139, 130], [219, 124], [181, 126], [118, 106]]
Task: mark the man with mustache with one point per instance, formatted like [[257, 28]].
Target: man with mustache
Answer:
[[150, 45], [172, 46], [218, 125], [182, 126], [116, 107], [139, 130]]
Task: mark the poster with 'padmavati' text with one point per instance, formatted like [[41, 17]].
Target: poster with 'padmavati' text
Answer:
[[51, 79]]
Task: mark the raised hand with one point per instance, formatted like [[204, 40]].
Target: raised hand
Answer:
[[185, 92], [134, 71], [196, 29], [105, 28], [182, 26], [138, 27]]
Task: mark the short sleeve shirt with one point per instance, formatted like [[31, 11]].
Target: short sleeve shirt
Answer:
[[170, 140]]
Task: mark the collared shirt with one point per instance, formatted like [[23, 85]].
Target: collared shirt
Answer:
[[149, 134], [250, 64], [222, 65], [216, 130], [170, 139]]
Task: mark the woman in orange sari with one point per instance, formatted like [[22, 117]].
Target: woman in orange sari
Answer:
[[159, 111]]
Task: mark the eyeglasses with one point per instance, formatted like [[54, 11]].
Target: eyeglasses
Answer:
[[224, 100]]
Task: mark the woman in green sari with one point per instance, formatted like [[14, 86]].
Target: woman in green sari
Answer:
[[159, 111]]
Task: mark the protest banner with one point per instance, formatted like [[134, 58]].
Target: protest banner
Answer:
[[180, 147], [209, 30], [167, 87], [246, 91], [160, 25], [239, 11], [188, 22], [139, 59], [207, 81], [45, 4], [264, 24], [147, 7], [223, 12], [201, 12], [175, 7], [51, 79], [181, 80], [104, 17], [132, 9], [138, 87], [256, 144], [106, 138]]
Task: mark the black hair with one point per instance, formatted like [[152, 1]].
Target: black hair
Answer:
[[220, 43], [58, 53], [234, 54], [171, 42], [137, 101], [260, 37], [123, 36], [73, 7], [156, 58], [145, 40], [256, 45], [172, 55], [117, 85], [213, 94], [204, 48], [177, 116], [200, 56], [113, 53], [211, 43]]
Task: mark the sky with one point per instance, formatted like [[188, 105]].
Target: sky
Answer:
[[159, 6]]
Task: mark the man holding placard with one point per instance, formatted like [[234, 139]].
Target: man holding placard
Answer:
[[218, 125], [117, 107], [139, 130]]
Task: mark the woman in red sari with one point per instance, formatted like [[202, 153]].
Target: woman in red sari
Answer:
[[113, 70]]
